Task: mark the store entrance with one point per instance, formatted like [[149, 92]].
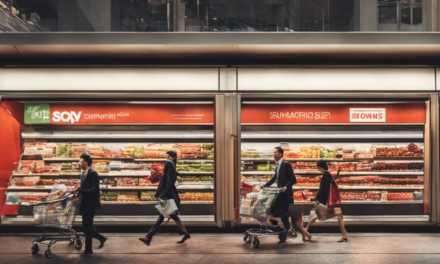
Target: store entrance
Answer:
[[383, 168]]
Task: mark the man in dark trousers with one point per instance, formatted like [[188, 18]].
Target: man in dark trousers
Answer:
[[285, 179], [90, 202]]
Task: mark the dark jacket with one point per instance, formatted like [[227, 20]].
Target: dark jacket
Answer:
[[324, 188], [91, 194], [285, 179], [167, 186]]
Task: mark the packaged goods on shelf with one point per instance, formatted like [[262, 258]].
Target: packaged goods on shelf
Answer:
[[250, 153], [32, 197], [265, 167], [96, 151], [400, 196], [148, 196], [196, 196], [188, 166], [247, 166], [257, 178], [309, 152], [364, 166], [306, 181], [109, 196], [356, 181], [64, 150], [299, 196], [303, 165], [290, 155], [45, 182], [78, 149], [197, 179], [107, 181], [335, 166], [32, 154], [127, 182], [146, 182], [101, 166], [151, 147], [361, 196], [25, 181], [418, 196], [398, 181], [67, 182], [208, 150], [412, 150], [127, 197], [327, 153]]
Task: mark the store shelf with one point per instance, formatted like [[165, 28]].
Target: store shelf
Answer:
[[341, 187], [132, 159], [149, 188], [197, 173], [369, 202], [418, 159], [154, 202], [178, 160], [382, 173]]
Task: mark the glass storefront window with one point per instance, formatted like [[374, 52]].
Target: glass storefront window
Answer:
[[210, 15]]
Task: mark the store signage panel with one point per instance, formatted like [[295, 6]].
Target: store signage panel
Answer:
[[64, 114], [413, 113]]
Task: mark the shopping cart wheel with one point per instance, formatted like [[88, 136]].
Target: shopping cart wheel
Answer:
[[247, 238], [35, 249], [256, 243], [48, 253], [78, 244]]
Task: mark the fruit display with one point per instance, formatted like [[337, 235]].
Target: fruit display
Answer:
[[400, 196], [309, 152], [196, 196], [64, 150], [327, 153]]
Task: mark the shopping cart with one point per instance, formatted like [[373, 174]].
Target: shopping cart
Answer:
[[260, 212], [59, 214]]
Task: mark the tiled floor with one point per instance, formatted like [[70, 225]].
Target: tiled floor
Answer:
[[230, 248]]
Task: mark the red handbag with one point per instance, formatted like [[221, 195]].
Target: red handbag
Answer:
[[334, 198]]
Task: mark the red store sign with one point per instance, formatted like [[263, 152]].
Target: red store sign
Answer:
[[413, 113], [76, 114]]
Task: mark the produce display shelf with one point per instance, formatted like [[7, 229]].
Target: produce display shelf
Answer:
[[108, 174], [344, 173], [182, 160], [370, 202], [154, 202], [140, 188], [341, 187], [132, 159], [338, 160], [105, 188]]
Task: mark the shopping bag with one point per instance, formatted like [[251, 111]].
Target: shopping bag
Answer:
[[334, 198], [167, 207]]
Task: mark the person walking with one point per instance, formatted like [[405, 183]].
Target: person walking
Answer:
[[167, 190], [89, 189], [285, 178], [321, 211]]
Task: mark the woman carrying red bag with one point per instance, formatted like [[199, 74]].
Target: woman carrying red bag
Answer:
[[327, 201]]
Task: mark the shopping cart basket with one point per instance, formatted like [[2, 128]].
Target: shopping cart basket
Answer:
[[260, 212], [57, 214]]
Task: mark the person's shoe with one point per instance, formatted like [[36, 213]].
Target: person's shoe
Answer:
[[102, 243], [344, 239], [186, 237], [283, 237], [146, 240]]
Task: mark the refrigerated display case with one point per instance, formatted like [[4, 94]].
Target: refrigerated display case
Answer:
[[383, 166], [129, 160]]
